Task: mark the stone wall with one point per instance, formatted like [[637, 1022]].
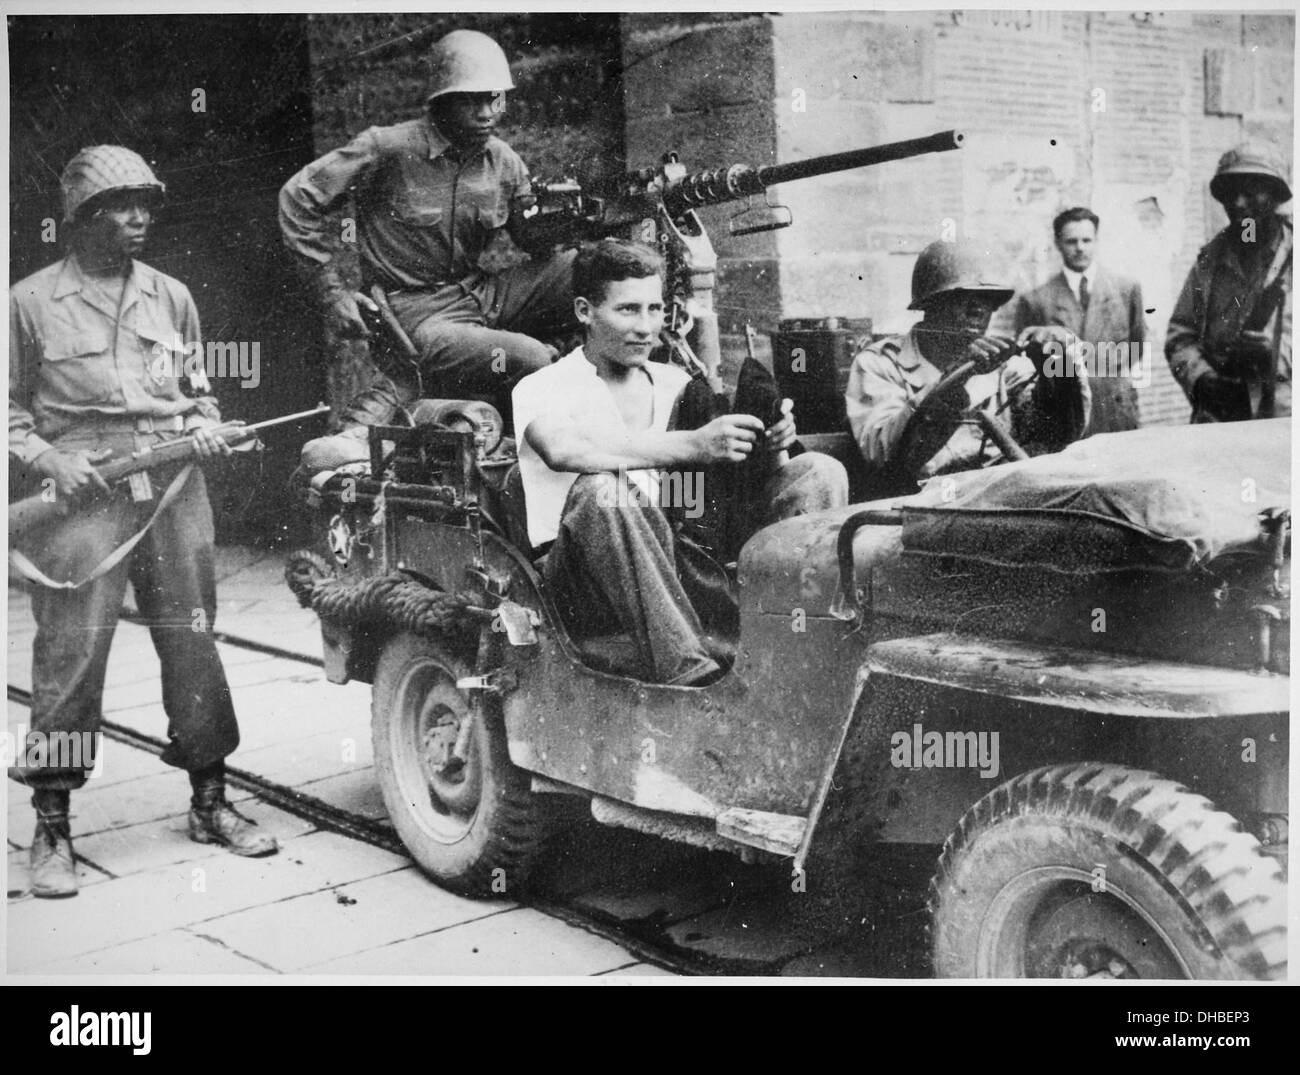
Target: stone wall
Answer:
[[219, 105]]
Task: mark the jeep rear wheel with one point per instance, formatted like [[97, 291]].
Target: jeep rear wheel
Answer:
[[1099, 871], [466, 815]]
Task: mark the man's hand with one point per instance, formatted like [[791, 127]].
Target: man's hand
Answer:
[[1219, 394], [728, 439], [207, 444], [989, 352], [343, 316], [1042, 335], [1250, 353], [782, 434], [73, 470]]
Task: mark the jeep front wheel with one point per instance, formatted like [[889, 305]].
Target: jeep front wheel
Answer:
[[1099, 871], [463, 810]]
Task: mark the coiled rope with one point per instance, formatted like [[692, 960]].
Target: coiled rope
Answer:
[[392, 600]]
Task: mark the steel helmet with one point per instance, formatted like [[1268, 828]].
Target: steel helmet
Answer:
[[1252, 157], [953, 266], [98, 170], [466, 61]]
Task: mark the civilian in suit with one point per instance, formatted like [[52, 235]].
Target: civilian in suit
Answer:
[[1087, 303]]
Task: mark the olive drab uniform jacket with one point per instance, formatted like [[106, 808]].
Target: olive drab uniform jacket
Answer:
[[73, 363], [886, 383], [1218, 300], [425, 215]]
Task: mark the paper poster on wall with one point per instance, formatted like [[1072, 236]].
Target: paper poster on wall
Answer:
[[1012, 187]]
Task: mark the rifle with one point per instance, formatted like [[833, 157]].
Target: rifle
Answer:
[[32, 511], [657, 206]]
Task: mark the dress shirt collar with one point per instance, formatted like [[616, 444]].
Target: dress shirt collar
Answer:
[[1072, 278]]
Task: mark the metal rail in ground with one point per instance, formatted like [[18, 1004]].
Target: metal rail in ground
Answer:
[[323, 815]]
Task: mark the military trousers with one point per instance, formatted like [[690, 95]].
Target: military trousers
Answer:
[[619, 565], [172, 573], [478, 338]]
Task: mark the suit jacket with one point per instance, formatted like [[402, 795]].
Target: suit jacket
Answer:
[[1115, 315]]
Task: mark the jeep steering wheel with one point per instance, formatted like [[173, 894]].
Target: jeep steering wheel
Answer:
[[930, 409]]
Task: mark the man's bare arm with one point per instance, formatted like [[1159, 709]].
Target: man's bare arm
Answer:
[[564, 446]]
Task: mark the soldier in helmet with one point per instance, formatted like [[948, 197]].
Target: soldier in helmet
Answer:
[[1229, 340], [85, 383], [430, 194], [892, 377]]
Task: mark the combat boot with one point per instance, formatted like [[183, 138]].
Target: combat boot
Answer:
[[215, 821], [375, 406], [52, 866]]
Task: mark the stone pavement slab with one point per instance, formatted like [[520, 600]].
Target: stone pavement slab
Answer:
[[357, 792], [349, 919], [519, 942], [312, 758], [155, 902], [182, 894], [177, 951], [639, 970]]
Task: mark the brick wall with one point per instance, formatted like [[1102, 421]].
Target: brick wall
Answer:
[[1108, 109]]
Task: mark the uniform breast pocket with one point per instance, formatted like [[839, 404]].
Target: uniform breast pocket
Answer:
[[492, 217], [164, 358], [78, 368], [419, 216]]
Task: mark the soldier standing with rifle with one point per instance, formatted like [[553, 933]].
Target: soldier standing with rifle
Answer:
[[85, 384], [430, 195], [1229, 341]]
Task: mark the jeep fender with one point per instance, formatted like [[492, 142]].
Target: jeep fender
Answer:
[[941, 719]]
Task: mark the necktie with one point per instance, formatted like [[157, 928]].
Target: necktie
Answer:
[[1083, 293]]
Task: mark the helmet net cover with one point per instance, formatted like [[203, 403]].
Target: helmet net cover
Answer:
[[1254, 157], [100, 170]]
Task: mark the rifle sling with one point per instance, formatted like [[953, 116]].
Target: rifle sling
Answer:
[[29, 570]]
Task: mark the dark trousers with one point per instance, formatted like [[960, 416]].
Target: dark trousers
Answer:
[[618, 565], [479, 338], [172, 573]]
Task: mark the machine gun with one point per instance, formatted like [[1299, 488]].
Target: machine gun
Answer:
[[657, 206]]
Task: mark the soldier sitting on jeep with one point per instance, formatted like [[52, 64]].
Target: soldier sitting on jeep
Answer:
[[595, 431], [432, 194]]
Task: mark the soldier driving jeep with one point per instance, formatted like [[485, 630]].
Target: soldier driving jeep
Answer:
[[595, 431], [928, 401], [431, 195]]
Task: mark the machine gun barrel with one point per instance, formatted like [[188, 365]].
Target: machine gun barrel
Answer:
[[740, 180]]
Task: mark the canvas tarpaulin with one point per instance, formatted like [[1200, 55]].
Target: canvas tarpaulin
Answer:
[[1165, 498]]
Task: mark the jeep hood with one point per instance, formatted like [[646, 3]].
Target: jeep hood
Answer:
[[1170, 500]]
